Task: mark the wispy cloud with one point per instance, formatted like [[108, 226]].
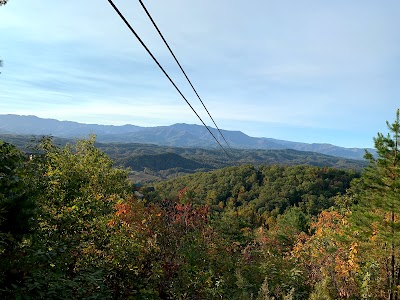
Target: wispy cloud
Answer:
[[260, 66]]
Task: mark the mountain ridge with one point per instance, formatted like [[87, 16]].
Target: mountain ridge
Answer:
[[149, 162], [179, 135]]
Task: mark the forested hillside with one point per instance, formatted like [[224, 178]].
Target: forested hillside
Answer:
[[170, 162], [152, 162], [71, 228], [265, 191]]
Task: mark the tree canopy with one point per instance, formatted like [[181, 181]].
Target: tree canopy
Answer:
[[71, 227]]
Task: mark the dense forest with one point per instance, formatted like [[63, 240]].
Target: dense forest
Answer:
[[149, 162], [71, 228], [266, 190]]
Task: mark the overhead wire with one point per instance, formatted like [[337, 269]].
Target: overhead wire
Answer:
[[165, 73], [184, 73]]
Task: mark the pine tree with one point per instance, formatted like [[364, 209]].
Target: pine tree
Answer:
[[376, 216]]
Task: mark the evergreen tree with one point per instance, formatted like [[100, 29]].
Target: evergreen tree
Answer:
[[376, 217]]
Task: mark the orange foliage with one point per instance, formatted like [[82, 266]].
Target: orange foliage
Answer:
[[327, 254]]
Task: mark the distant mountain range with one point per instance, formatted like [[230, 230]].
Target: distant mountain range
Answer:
[[177, 135]]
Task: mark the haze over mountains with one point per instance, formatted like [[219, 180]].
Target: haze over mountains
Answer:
[[177, 135]]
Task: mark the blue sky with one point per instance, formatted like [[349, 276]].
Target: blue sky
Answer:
[[307, 71]]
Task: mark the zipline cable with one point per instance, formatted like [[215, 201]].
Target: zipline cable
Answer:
[[184, 73], [165, 73]]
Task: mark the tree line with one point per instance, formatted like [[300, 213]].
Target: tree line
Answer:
[[152, 162]]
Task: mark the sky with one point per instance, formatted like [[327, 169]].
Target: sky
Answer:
[[309, 71]]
